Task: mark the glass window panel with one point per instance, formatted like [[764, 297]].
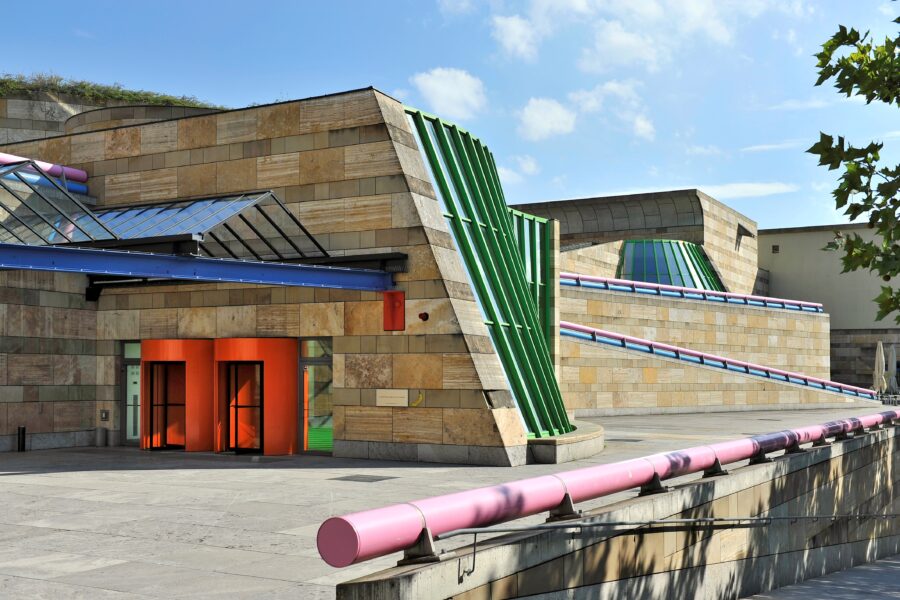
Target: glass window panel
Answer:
[[626, 271], [316, 348], [682, 266], [637, 262], [662, 269], [674, 272]]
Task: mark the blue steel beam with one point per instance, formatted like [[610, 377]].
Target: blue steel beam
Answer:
[[164, 266]]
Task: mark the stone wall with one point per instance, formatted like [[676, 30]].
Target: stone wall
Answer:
[[598, 379], [119, 116], [348, 167], [36, 117], [771, 337], [853, 353], [55, 376], [858, 476], [729, 239], [600, 260]]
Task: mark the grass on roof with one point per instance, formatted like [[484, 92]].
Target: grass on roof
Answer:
[[92, 92]]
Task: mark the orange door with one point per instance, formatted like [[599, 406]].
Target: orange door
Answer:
[[244, 396], [167, 405]]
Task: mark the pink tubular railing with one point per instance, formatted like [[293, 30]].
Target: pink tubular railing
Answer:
[[50, 168], [600, 335], [635, 286], [353, 538]]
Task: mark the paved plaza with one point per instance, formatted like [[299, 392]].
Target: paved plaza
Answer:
[[121, 523]]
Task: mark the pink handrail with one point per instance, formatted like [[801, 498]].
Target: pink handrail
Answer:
[[50, 168], [353, 538], [704, 356], [685, 290]]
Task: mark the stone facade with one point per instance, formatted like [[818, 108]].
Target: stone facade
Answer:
[[600, 260], [853, 353], [771, 337], [55, 376], [36, 117], [598, 379], [347, 166], [728, 237], [119, 116]]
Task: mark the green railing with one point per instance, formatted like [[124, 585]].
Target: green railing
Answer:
[[534, 238], [506, 261]]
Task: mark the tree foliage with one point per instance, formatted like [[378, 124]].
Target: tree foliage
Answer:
[[859, 66]]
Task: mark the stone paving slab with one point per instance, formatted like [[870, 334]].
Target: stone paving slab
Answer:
[[121, 523], [876, 581]]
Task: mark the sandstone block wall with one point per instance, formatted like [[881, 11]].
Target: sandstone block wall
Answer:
[[348, 167], [55, 376], [28, 118], [601, 260], [771, 337], [598, 379], [729, 239]]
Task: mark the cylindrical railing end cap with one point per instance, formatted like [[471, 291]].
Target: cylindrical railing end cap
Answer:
[[338, 542]]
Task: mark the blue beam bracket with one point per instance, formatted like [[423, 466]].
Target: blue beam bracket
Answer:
[[142, 265]]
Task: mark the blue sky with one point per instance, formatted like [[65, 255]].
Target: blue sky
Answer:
[[574, 97]]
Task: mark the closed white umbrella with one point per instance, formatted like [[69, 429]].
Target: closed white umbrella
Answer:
[[891, 376], [878, 382]]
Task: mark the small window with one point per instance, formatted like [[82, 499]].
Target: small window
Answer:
[[776, 248]]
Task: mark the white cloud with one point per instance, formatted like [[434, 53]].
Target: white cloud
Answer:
[[796, 104], [790, 38], [621, 99], [509, 176], [643, 127], [451, 93], [527, 164], [729, 191], [615, 47], [456, 7], [697, 150], [542, 118], [87, 35], [785, 145], [517, 36], [888, 9]]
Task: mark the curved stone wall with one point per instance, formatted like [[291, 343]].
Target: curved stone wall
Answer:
[[37, 116], [117, 116]]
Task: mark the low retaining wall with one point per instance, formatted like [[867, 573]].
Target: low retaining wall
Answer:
[[856, 476]]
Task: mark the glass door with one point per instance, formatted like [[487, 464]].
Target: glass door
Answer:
[[244, 396], [130, 411], [167, 407], [316, 389]]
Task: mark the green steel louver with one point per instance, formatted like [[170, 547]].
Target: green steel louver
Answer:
[[669, 262], [506, 254]]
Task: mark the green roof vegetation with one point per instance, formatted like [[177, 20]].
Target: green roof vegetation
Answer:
[[92, 92]]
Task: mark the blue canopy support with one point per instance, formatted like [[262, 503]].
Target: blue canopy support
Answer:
[[215, 270]]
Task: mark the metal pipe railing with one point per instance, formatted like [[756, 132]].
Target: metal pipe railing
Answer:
[[357, 537], [712, 360], [625, 285], [51, 169]]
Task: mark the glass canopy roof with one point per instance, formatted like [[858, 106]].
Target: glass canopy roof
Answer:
[[257, 225]]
